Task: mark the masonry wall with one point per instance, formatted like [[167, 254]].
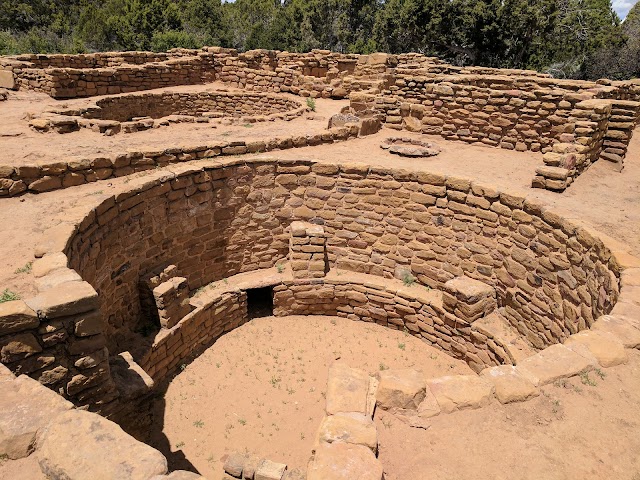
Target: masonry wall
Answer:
[[418, 314], [161, 105], [195, 332], [551, 278]]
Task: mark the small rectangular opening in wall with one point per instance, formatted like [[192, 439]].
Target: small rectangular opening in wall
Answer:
[[259, 302]]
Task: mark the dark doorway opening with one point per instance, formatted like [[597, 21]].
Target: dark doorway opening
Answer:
[[259, 302]]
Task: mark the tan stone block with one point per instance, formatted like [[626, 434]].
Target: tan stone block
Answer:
[[400, 389], [48, 263], [509, 385], [340, 461], [16, 316], [605, 347], [553, 363], [351, 427], [26, 407], [17, 347], [268, 470], [76, 442], [347, 390], [65, 299], [461, 392], [625, 330]]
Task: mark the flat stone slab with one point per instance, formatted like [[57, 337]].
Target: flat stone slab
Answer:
[[625, 331], [352, 427], [64, 299], [404, 389], [553, 363], [347, 390], [26, 407], [79, 445], [344, 461], [268, 470], [607, 349], [510, 385], [16, 316], [459, 392]]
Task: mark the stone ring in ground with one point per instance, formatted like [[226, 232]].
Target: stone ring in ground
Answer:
[[410, 147]]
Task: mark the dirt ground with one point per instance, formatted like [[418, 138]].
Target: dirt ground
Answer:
[[261, 388], [581, 429]]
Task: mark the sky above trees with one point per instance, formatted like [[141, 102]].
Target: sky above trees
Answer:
[[622, 7]]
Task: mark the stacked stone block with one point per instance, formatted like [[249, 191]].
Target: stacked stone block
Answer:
[[307, 253], [57, 337], [164, 297], [468, 299]]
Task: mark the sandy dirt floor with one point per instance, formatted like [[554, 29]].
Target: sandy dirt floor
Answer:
[[261, 388]]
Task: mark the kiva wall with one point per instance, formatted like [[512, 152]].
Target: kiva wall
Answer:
[[551, 278]]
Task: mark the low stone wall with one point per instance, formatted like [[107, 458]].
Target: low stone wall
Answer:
[[131, 113], [414, 309], [159, 105], [194, 333], [78, 171]]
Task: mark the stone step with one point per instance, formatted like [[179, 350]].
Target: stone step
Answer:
[[557, 173], [497, 327], [347, 390], [555, 362]]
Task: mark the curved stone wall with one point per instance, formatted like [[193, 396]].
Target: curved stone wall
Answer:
[[552, 278], [157, 105]]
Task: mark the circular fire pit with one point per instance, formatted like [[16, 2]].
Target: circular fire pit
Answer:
[[408, 147]]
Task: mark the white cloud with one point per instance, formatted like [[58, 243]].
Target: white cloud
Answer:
[[622, 7]]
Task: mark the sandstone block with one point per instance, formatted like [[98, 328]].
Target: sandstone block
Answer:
[[268, 470], [234, 464], [15, 317], [61, 275], [510, 385], [26, 407], [65, 299], [461, 392], [552, 363], [403, 389], [7, 79], [81, 445], [344, 461], [605, 347], [347, 390], [624, 330], [54, 239], [352, 427], [17, 347], [48, 263]]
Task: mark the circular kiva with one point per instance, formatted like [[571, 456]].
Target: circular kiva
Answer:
[[409, 147], [134, 112], [448, 260]]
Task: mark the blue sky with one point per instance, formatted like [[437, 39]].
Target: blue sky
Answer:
[[623, 6]]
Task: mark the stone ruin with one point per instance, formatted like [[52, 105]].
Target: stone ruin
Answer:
[[409, 147], [522, 294]]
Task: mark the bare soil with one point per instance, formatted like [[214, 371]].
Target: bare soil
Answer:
[[261, 388]]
